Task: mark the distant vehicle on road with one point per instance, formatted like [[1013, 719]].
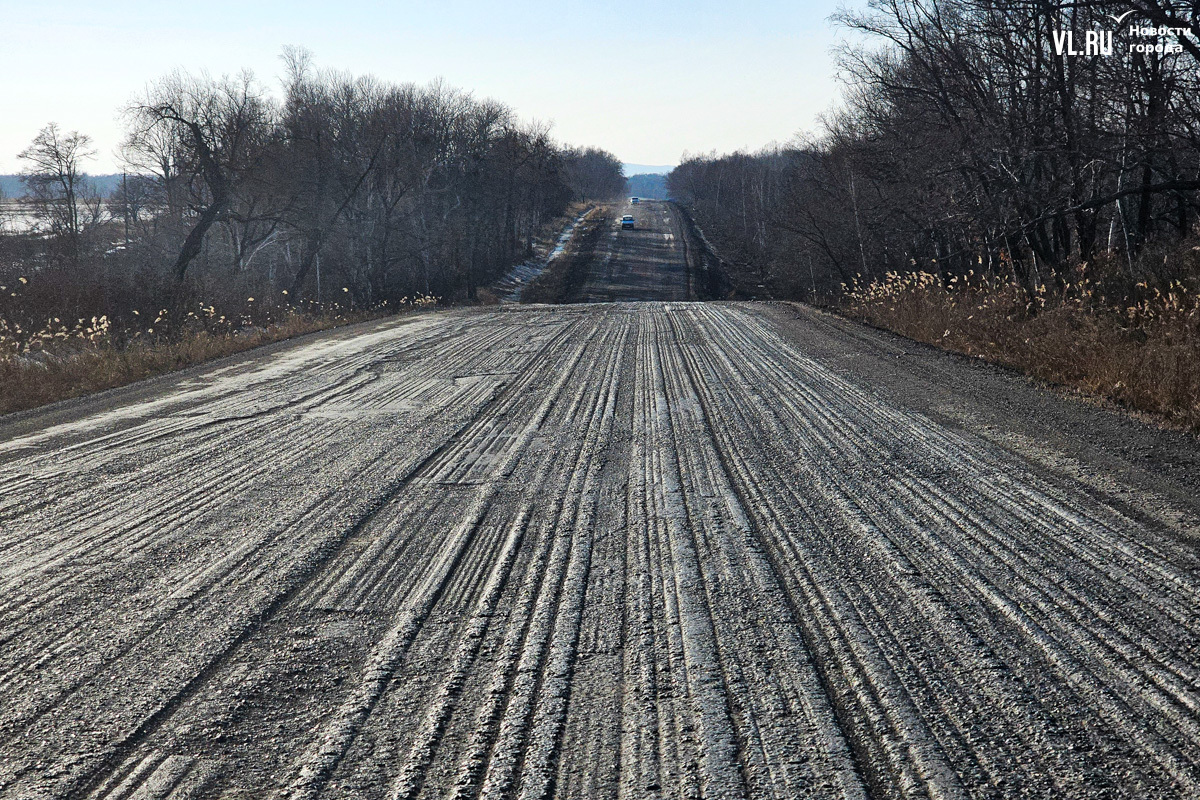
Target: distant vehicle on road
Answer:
[[634, 200], [627, 221]]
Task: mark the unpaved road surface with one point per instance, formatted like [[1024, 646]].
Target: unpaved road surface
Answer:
[[646, 263], [638, 550]]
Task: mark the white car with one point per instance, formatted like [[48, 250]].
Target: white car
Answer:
[[627, 221], [634, 200]]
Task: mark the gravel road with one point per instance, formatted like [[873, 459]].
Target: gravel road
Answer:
[[637, 550], [646, 263]]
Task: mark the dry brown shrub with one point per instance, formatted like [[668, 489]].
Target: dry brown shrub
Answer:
[[1142, 352], [65, 366]]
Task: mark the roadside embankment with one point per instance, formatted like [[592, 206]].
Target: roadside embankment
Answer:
[[61, 362], [548, 247], [708, 273], [1142, 353], [564, 276]]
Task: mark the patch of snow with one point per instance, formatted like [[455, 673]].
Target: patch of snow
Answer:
[[513, 284]]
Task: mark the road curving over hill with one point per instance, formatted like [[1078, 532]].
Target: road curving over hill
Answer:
[[635, 550]]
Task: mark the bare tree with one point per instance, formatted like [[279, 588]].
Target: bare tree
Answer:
[[206, 135], [968, 141], [344, 182], [57, 185]]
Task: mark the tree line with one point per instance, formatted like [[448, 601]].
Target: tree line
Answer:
[[344, 187], [969, 140]]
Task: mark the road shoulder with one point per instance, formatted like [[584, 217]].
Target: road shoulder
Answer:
[[72, 410], [1147, 470]]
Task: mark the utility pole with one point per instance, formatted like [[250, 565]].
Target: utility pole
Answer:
[[125, 203]]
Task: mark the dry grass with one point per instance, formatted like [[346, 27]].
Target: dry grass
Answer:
[[1143, 352], [59, 361]]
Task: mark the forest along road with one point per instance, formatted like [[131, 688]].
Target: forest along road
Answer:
[[637, 550]]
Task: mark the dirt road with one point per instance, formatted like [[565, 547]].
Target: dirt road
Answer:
[[629, 550], [646, 263]]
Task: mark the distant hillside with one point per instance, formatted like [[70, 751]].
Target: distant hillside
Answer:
[[11, 186], [645, 169], [652, 187]]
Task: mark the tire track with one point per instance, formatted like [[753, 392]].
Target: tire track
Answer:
[[818, 451], [316, 766], [288, 576]]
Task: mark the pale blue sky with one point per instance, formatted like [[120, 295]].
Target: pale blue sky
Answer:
[[647, 80]]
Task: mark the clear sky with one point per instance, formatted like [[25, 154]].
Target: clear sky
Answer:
[[646, 80]]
